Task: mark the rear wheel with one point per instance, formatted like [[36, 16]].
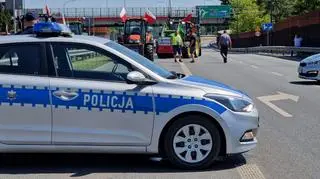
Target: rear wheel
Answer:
[[192, 142], [149, 52]]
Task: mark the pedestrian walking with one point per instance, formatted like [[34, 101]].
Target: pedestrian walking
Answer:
[[192, 45], [225, 43], [298, 43], [297, 40], [176, 44], [29, 20]]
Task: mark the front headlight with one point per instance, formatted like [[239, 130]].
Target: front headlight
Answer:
[[233, 103]]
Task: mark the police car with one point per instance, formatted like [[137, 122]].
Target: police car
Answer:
[[90, 94], [309, 68]]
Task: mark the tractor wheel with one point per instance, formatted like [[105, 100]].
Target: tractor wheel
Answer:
[[149, 52]]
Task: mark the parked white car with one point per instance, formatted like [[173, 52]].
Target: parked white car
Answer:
[[309, 68]]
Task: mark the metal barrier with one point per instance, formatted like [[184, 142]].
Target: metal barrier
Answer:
[[277, 50]]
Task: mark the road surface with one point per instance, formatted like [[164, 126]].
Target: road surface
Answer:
[[289, 137]]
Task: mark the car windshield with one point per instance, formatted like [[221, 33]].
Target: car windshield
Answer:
[[142, 60]]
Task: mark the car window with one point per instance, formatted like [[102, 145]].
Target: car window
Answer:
[[84, 61], [141, 60], [17, 59]]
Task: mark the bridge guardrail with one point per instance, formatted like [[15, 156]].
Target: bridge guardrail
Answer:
[[277, 49]]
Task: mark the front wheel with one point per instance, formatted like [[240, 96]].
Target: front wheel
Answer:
[[192, 142]]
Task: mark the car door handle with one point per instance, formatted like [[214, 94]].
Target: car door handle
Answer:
[[65, 95], [12, 95]]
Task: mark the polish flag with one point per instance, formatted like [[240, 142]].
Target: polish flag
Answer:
[[149, 17], [123, 15], [46, 10], [188, 18]]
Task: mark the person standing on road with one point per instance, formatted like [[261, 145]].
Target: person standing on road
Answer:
[[192, 45], [176, 44], [225, 43], [28, 22]]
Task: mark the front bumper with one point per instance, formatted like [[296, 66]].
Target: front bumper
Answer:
[[309, 74], [239, 124], [164, 49]]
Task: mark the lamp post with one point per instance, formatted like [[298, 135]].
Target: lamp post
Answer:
[[64, 7]]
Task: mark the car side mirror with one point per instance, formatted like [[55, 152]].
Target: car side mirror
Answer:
[[138, 78]]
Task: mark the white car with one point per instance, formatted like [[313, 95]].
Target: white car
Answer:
[[309, 68], [90, 94]]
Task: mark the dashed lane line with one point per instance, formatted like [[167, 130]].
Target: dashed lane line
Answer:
[[185, 69], [253, 66], [276, 73]]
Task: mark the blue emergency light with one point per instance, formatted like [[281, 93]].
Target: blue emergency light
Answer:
[[49, 27]]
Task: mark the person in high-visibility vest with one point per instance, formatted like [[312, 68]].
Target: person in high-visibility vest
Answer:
[[176, 41], [149, 37]]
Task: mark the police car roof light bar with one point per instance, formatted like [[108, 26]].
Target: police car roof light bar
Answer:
[[48, 27]]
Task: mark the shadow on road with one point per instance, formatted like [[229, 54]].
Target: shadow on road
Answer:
[[305, 83], [85, 164]]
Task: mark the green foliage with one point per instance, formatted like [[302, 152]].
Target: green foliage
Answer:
[[305, 6], [247, 16], [5, 20], [281, 9]]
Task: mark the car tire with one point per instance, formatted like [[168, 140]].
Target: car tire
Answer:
[[196, 150], [149, 52]]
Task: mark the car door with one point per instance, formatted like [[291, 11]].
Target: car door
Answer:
[[24, 95], [92, 103]]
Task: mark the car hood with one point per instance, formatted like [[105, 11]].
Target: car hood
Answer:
[[312, 58], [210, 86]]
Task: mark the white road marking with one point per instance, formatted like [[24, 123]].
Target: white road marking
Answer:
[[185, 69], [276, 73], [253, 66], [250, 171], [281, 96]]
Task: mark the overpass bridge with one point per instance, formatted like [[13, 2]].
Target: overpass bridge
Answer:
[[101, 20], [110, 16]]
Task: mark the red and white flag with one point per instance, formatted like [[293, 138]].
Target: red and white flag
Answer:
[[188, 18], [150, 17], [123, 15], [46, 10]]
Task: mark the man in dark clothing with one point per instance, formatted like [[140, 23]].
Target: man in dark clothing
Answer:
[[28, 22], [192, 45], [225, 43]]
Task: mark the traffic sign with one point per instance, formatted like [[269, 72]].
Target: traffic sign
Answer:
[[267, 26]]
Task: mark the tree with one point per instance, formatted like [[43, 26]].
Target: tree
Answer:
[[305, 6], [247, 16], [5, 20], [278, 9], [282, 9]]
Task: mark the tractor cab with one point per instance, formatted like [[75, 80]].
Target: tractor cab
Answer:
[[138, 37]]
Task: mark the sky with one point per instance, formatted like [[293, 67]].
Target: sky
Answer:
[[116, 3]]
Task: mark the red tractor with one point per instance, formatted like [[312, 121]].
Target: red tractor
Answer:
[[138, 37]]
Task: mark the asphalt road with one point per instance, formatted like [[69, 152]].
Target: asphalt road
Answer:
[[288, 147]]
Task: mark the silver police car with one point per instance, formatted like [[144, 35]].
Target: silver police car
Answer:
[[90, 94]]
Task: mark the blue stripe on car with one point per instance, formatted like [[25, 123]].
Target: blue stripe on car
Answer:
[[141, 102]]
